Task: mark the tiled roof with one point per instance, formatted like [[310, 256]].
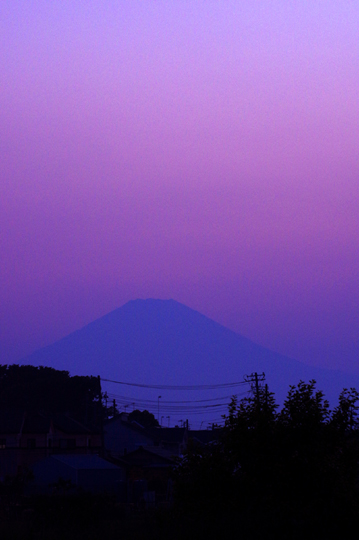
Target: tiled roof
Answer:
[[36, 423], [133, 426], [77, 461], [13, 421], [146, 456], [168, 435], [69, 425], [205, 436]]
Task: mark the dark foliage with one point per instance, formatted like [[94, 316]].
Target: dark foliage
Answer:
[[50, 391], [145, 418], [280, 475]]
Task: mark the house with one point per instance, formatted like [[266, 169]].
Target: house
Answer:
[[151, 467], [149, 455], [28, 437], [74, 472], [174, 440], [204, 436], [122, 436]]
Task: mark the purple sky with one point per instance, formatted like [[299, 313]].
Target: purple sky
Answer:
[[204, 151]]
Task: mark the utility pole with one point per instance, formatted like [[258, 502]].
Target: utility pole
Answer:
[[114, 408], [158, 409], [255, 379], [102, 451]]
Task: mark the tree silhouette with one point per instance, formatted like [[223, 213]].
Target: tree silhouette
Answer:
[[47, 390], [345, 414], [145, 418], [292, 473]]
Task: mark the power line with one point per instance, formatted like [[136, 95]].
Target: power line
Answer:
[[174, 387], [172, 406], [135, 400], [212, 407], [174, 409], [178, 411]]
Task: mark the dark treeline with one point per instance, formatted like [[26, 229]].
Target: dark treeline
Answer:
[[144, 418], [50, 391], [47, 390], [287, 474]]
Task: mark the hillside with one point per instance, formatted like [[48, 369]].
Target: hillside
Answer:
[[165, 342]]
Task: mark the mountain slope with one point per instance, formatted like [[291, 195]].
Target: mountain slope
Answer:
[[165, 342]]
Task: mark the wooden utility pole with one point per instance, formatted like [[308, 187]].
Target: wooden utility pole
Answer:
[[102, 453], [255, 379]]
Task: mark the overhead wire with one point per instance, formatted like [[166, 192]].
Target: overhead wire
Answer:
[[179, 387], [218, 404], [176, 408], [132, 400]]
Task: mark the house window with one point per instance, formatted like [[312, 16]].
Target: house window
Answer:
[[2, 443], [31, 443]]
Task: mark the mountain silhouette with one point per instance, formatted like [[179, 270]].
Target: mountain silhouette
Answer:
[[166, 343]]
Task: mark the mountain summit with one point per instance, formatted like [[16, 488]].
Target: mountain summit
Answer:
[[167, 343]]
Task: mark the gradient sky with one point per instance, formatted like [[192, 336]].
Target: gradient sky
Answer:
[[205, 151]]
